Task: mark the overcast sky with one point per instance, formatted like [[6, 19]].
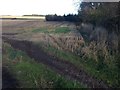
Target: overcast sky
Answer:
[[22, 7]]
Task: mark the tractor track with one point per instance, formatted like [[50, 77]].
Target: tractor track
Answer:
[[62, 67]]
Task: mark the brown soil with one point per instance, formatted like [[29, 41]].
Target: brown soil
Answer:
[[62, 67], [16, 26]]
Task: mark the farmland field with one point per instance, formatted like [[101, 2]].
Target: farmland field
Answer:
[[41, 54]]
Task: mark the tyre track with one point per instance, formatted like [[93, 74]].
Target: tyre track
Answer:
[[62, 67]]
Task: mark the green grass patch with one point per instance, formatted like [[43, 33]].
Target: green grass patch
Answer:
[[62, 30], [57, 30], [31, 74]]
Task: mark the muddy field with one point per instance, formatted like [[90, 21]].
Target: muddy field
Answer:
[[60, 66], [24, 30], [26, 35], [15, 25]]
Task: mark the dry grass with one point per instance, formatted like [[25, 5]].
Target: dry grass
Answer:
[[22, 17]]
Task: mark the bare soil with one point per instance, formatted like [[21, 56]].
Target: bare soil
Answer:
[[62, 67], [13, 26]]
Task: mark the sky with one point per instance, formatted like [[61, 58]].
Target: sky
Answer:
[[43, 7]]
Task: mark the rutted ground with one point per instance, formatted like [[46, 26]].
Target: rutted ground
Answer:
[[24, 35], [48, 33], [64, 68]]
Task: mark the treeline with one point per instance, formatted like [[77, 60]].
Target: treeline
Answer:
[[104, 13], [106, 42], [69, 17]]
